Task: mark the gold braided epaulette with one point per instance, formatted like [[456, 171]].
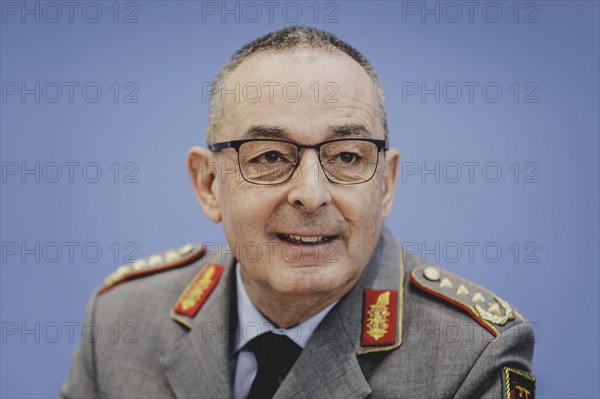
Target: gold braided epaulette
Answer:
[[153, 264], [487, 308]]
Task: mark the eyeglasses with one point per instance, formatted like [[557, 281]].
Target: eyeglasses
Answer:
[[271, 161]]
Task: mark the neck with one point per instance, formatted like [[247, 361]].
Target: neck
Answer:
[[285, 310]]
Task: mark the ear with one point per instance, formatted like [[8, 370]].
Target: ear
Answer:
[[390, 180], [203, 172]]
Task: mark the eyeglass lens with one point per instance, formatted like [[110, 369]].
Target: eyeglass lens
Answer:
[[272, 162]]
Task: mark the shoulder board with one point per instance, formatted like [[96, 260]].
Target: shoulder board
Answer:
[[156, 263], [486, 308]]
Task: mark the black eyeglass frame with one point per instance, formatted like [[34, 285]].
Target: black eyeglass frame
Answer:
[[236, 144]]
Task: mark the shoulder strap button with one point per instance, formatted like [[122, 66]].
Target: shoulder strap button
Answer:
[[431, 273]]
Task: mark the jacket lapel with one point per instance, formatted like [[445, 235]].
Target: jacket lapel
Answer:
[[330, 364], [198, 364], [327, 367]]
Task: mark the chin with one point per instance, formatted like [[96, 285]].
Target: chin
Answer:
[[311, 280]]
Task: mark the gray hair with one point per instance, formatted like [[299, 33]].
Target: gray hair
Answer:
[[286, 39]]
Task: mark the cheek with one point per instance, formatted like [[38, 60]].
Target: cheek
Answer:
[[362, 207], [363, 213], [246, 209]]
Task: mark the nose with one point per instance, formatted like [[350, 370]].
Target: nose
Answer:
[[309, 188]]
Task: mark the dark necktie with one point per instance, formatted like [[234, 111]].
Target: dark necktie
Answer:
[[275, 355]]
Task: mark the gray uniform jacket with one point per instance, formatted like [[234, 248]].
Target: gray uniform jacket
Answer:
[[451, 339]]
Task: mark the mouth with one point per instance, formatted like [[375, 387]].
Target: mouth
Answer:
[[305, 239]]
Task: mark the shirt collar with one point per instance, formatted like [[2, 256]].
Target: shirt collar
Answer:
[[252, 323]]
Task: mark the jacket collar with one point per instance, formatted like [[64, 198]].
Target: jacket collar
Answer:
[[198, 364], [385, 271]]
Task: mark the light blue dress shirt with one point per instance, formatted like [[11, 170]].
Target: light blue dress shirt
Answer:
[[251, 323]]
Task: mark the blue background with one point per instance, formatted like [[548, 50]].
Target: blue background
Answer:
[[164, 52]]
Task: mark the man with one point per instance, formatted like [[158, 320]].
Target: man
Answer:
[[313, 298]]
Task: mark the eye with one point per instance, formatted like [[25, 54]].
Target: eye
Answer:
[[347, 157], [272, 156]]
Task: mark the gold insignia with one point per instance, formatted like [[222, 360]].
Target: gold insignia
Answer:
[[154, 264], [139, 264], [478, 297], [186, 249], [462, 290], [155, 260], [172, 256], [446, 283], [494, 308], [393, 334], [195, 293], [377, 324], [490, 314], [484, 306]]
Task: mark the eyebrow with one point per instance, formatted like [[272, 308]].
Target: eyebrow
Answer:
[[270, 132], [351, 129], [273, 132]]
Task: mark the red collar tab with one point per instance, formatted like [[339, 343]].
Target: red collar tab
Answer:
[[379, 318], [198, 291]]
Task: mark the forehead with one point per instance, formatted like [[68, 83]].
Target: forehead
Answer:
[[305, 92]]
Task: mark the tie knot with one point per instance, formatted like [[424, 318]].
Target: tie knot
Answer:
[[275, 355], [275, 349]]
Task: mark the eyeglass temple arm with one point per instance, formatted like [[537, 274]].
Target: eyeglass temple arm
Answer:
[[221, 146]]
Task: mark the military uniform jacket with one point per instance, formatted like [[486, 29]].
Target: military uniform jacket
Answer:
[[157, 333]]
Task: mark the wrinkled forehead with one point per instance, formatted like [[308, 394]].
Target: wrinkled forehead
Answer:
[[268, 64], [273, 85]]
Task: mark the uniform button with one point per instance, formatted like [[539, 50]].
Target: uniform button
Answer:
[[431, 273]]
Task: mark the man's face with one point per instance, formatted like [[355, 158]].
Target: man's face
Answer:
[[264, 222]]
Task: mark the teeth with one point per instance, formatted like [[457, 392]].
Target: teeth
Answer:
[[306, 239]]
